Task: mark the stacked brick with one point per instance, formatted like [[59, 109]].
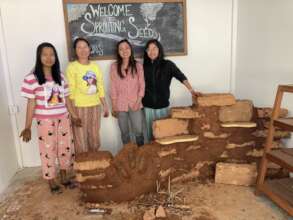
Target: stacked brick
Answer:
[[228, 134]]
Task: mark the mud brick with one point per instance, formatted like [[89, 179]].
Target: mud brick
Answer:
[[211, 135], [92, 161], [245, 144], [164, 153], [80, 178], [216, 99], [240, 112], [184, 113], [177, 139], [236, 174], [267, 112], [169, 127], [255, 153], [277, 134]]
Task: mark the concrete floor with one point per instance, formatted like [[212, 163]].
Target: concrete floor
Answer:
[[28, 198]]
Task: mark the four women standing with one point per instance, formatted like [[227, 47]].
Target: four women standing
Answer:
[[132, 87]]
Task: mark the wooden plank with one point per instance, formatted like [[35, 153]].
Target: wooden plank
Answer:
[[279, 190], [285, 123], [287, 183], [269, 141], [282, 158], [287, 88], [280, 195], [282, 188], [288, 151]]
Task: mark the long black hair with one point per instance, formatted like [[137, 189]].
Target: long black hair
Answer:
[[38, 71], [132, 61], [160, 59], [161, 55], [78, 40]]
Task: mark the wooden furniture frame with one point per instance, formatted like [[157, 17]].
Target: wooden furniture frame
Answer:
[[278, 190]]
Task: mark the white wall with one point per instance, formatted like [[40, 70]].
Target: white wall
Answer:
[[264, 51], [8, 160], [207, 65], [28, 23]]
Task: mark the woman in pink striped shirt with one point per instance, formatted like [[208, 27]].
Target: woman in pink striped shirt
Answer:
[[126, 90], [46, 91]]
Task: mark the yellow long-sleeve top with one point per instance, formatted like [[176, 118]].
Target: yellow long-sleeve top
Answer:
[[86, 84]]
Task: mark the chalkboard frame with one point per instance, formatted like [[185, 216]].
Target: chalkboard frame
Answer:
[[107, 57]]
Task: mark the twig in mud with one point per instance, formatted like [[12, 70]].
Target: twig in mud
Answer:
[[158, 186], [172, 201], [169, 185]]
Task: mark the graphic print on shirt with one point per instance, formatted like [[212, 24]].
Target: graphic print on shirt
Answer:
[[91, 80], [54, 95]]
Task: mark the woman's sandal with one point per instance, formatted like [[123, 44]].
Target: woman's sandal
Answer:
[[69, 184], [55, 189]]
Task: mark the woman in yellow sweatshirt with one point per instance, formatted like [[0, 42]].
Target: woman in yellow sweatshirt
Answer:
[[87, 93]]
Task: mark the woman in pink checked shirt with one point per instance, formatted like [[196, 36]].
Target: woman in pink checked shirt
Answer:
[[126, 91]]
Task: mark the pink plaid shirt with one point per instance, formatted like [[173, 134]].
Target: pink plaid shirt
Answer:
[[125, 92]]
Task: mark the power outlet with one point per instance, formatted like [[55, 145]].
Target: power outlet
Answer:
[[13, 109]]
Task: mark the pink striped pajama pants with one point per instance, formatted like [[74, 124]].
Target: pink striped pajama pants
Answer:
[[55, 142]]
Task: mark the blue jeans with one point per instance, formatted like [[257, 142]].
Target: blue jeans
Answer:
[[136, 119], [152, 115]]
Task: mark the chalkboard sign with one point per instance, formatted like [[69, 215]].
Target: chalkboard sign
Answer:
[[104, 23]]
